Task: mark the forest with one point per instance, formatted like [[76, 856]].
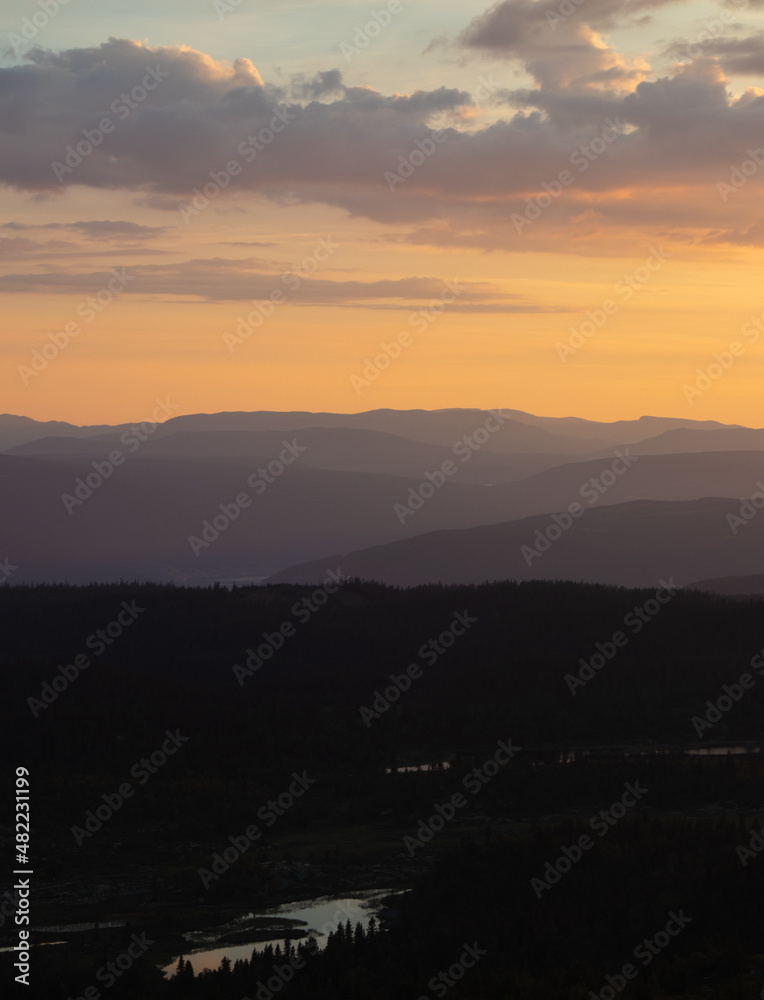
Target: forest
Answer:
[[560, 826]]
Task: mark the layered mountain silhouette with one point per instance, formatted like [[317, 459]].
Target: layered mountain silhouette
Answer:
[[523, 432], [343, 449], [633, 544], [682, 439], [360, 484]]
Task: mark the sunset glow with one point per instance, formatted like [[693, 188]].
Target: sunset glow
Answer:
[[535, 160]]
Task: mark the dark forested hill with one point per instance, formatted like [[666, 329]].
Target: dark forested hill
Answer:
[[597, 690], [496, 660]]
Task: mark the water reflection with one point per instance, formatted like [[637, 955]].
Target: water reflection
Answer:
[[539, 756], [315, 918], [572, 756], [438, 765]]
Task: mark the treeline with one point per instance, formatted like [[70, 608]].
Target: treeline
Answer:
[[491, 664], [171, 668], [662, 906]]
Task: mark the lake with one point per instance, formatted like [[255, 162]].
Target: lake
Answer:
[[311, 918]]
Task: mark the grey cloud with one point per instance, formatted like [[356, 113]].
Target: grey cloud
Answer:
[[336, 152], [321, 85], [748, 236], [737, 56], [102, 230], [505, 25], [220, 280], [558, 49]]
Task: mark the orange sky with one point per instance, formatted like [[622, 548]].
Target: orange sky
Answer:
[[650, 193]]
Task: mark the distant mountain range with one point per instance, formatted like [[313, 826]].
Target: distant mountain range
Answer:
[[522, 433], [630, 544], [111, 502]]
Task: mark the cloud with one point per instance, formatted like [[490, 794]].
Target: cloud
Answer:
[[101, 230], [736, 56], [338, 150], [750, 236], [559, 50], [202, 116], [323, 84], [222, 279], [17, 247]]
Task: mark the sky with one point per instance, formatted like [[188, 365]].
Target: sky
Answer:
[[545, 205]]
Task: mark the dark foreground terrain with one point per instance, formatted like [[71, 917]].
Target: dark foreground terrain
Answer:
[[194, 755]]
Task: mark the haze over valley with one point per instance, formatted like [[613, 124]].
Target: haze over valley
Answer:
[[366, 492]]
